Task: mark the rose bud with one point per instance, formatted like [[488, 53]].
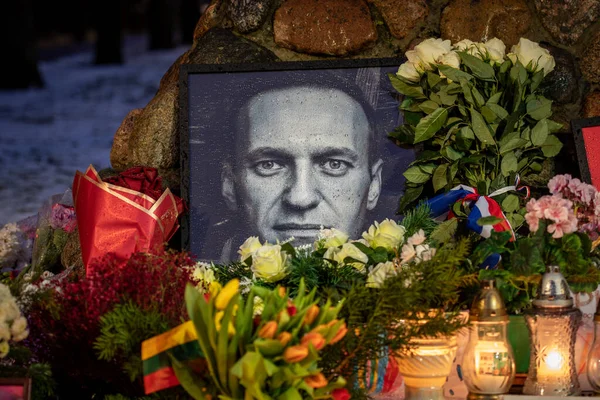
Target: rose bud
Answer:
[[226, 294], [340, 394], [340, 333], [284, 338], [291, 309], [268, 330], [316, 339], [316, 381], [311, 314], [295, 354]]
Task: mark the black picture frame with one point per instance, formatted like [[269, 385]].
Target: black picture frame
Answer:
[[187, 106], [20, 382], [587, 150]]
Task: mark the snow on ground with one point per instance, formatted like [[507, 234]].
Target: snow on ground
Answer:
[[46, 135]]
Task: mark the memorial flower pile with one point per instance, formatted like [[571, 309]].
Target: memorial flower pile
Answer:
[[479, 115]]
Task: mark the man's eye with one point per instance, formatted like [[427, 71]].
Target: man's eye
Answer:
[[335, 167], [268, 167]]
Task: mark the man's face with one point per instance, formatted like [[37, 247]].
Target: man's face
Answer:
[[303, 164]]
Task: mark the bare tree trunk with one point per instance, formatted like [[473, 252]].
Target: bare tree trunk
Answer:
[[18, 39], [110, 32], [161, 24]]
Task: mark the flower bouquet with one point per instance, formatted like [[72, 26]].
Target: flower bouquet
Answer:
[[125, 214], [477, 114]]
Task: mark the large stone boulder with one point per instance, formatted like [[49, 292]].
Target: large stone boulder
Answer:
[[566, 20], [402, 16]]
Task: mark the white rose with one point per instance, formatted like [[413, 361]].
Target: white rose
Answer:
[[4, 332], [409, 72], [331, 238], [424, 252], [249, 247], [450, 59], [270, 263], [21, 336], [530, 52], [432, 49], [18, 326], [350, 250], [475, 49], [463, 45], [496, 50], [379, 273], [387, 234]]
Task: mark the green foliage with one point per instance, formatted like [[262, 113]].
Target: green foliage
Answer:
[[418, 218], [122, 331], [484, 124]]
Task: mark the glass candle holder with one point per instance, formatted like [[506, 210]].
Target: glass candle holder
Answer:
[[593, 361], [552, 324], [488, 362]]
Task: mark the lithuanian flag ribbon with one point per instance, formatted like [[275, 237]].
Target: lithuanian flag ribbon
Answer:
[[181, 342]]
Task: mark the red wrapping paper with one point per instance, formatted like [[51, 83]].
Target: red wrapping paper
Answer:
[[121, 220]]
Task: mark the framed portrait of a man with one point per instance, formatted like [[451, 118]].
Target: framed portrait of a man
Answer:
[[282, 150]]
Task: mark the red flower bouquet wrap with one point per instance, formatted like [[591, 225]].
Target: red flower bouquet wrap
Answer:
[[123, 215]]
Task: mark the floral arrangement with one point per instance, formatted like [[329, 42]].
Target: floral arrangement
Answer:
[[14, 252], [272, 355], [13, 326], [477, 113]]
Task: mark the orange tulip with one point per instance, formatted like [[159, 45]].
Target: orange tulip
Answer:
[[294, 354], [284, 338], [281, 291], [339, 334], [268, 330], [316, 381], [311, 314], [316, 339]]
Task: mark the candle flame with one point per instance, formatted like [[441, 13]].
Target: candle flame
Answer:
[[554, 360]]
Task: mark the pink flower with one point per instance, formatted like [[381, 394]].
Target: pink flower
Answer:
[[63, 217], [583, 192], [558, 211], [597, 204], [558, 183]]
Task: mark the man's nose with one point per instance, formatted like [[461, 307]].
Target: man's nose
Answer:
[[302, 192]]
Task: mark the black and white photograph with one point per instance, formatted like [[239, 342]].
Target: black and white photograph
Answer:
[[284, 150]]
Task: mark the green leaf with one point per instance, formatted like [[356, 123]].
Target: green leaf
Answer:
[[290, 394], [427, 155], [454, 74], [187, 379], [516, 220], [429, 125], [428, 106], [404, 88], [453, 171], [526, 134], [452, 121], [445, 231], [491, 220], [551, 146], [467, 132], [510, 203], [433, 79], [467, 91], [539, 133], [480, 128], [478, 67], [447, 99], [488, 114], [452, 154], [434, 97], [539, 108], [411, 194], [427, 168], [494, 99], [509, 164], [403, 134], [499, 111], [554, 126], [536, 79], [412, 118], [416, 175], [439, 177], [518, 73], [511, 145]]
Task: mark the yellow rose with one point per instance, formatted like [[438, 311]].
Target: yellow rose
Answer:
[[379, 273], [248, 248], [331, 238], [528, 52], [432, 49], [269, 263], [347, 250], [387, 234], [226, 294]]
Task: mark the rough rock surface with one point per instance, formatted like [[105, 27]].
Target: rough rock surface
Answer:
[[562, 84], [507, 20], [71, 253], [591, 107], [331, 27], [566, 20], [150, 137], [249, 15], [590, 63], [402, 16]]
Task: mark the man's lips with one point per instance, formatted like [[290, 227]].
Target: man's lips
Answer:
[[298, 229]]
